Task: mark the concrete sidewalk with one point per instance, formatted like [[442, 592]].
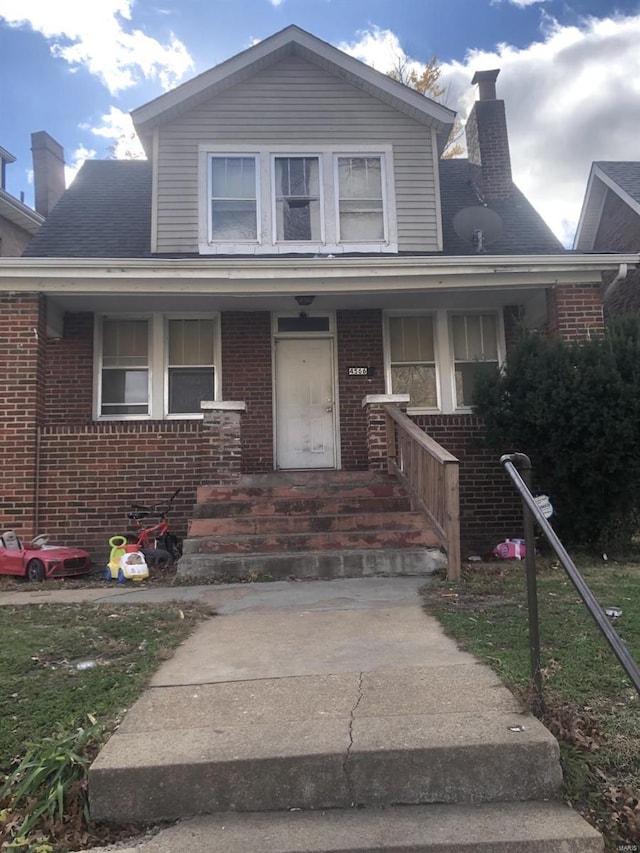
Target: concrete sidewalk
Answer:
[[300, 699]]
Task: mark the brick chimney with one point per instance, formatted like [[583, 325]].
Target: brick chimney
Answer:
[[488, 141], [48, 171]]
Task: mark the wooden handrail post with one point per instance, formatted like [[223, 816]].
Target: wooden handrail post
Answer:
[[452, 518]]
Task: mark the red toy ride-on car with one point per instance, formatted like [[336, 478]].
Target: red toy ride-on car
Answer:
[[39, 560]]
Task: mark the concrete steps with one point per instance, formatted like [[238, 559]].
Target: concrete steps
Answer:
[[339, 718], [488, 828], [307, 524]]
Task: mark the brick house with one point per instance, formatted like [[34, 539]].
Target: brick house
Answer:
[[610, 221], [293, 228]]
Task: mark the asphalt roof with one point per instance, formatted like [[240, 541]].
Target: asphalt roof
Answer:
[[106, 213], [626, 173]]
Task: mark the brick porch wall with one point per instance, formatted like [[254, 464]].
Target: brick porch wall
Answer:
[[575, 311], [247, 375], [489, 505], [359, 345], [69, 373]]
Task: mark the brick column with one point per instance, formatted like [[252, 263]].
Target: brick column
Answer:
[[222, 426], [377, 438], [22, 371], [575, 311]]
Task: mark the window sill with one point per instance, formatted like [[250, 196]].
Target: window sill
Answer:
[[296, 248]]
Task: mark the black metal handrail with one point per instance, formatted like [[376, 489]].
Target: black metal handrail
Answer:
[[522, 481]]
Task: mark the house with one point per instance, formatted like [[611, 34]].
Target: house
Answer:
[[18, 221], [610, 220], [292, 252]]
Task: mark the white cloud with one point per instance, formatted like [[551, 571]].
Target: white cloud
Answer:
[[276, 2], [77, 159], [571, 98], [520, 3], [99, 36], [117, 126]]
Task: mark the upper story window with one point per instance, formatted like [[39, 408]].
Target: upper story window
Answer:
[[155, 366], [297, 198], [234, 203], [266, 201], [360, 199]]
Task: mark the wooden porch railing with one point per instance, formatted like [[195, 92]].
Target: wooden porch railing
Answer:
[[430, 474]]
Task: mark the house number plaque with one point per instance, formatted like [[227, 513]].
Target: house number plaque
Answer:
[[360, 371]]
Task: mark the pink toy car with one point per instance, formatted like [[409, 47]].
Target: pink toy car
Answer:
[[511, 549], [39, 560]]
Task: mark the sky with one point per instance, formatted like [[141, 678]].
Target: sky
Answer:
[[569, 72]]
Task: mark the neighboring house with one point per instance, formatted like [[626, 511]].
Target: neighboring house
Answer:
[[610, 221], [19, 222], [291, 247]]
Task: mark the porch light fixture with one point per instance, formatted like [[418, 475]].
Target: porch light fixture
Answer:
[[305, 300]]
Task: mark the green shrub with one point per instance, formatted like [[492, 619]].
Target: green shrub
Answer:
[[574, 408]]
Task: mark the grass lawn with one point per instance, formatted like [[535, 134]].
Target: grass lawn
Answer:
[[61, 665], [590, 705]]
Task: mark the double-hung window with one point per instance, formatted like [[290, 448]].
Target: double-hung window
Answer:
[[413, 359], [234, 201], [475, 341], [328, 199], [297, 199], [434, 357], [360, 199], [156, 366]]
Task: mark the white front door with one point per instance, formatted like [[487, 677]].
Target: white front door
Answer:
[[305, 410]]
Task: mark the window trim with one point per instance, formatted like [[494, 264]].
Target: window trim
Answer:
[[443, 346], [158, 363], [267, 244]]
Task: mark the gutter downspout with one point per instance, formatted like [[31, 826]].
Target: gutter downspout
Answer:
[[613, 284]]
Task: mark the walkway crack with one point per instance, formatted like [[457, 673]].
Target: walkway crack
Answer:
[[345, 763]]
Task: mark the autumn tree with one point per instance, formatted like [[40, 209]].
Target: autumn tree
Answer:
[[427, 82]]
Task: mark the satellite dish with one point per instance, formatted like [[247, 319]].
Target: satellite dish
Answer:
[[477, 225]]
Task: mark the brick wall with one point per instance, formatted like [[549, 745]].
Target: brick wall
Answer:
[[22, 360], [359, 345], [489, 505], [90, 475], [69, 373], [247, 376], [620, 231], [575, 311]]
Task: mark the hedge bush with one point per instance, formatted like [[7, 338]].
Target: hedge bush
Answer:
[[574, 408]]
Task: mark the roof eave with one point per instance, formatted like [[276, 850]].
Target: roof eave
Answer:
[[288, 41], [19, 213]]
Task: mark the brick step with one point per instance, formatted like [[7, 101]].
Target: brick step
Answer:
[[309, 523], [301, 490], [533, 827], [296, 542], [300, 506], [312, 565]]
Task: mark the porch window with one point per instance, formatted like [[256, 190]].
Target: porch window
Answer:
[[234, 216], [412, 357], [156, 366], [125, 367], [191, 364], [297, 199], [475, 340], [360, 204]]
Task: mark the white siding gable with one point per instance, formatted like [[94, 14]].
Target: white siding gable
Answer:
[[293, 103]]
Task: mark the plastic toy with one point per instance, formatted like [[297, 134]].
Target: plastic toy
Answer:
[[39, 560], [511, 549], [125, 561]]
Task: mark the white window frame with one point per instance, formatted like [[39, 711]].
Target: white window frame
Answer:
[[158, 364], [443, 345], [355, 245], [267, 243]]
